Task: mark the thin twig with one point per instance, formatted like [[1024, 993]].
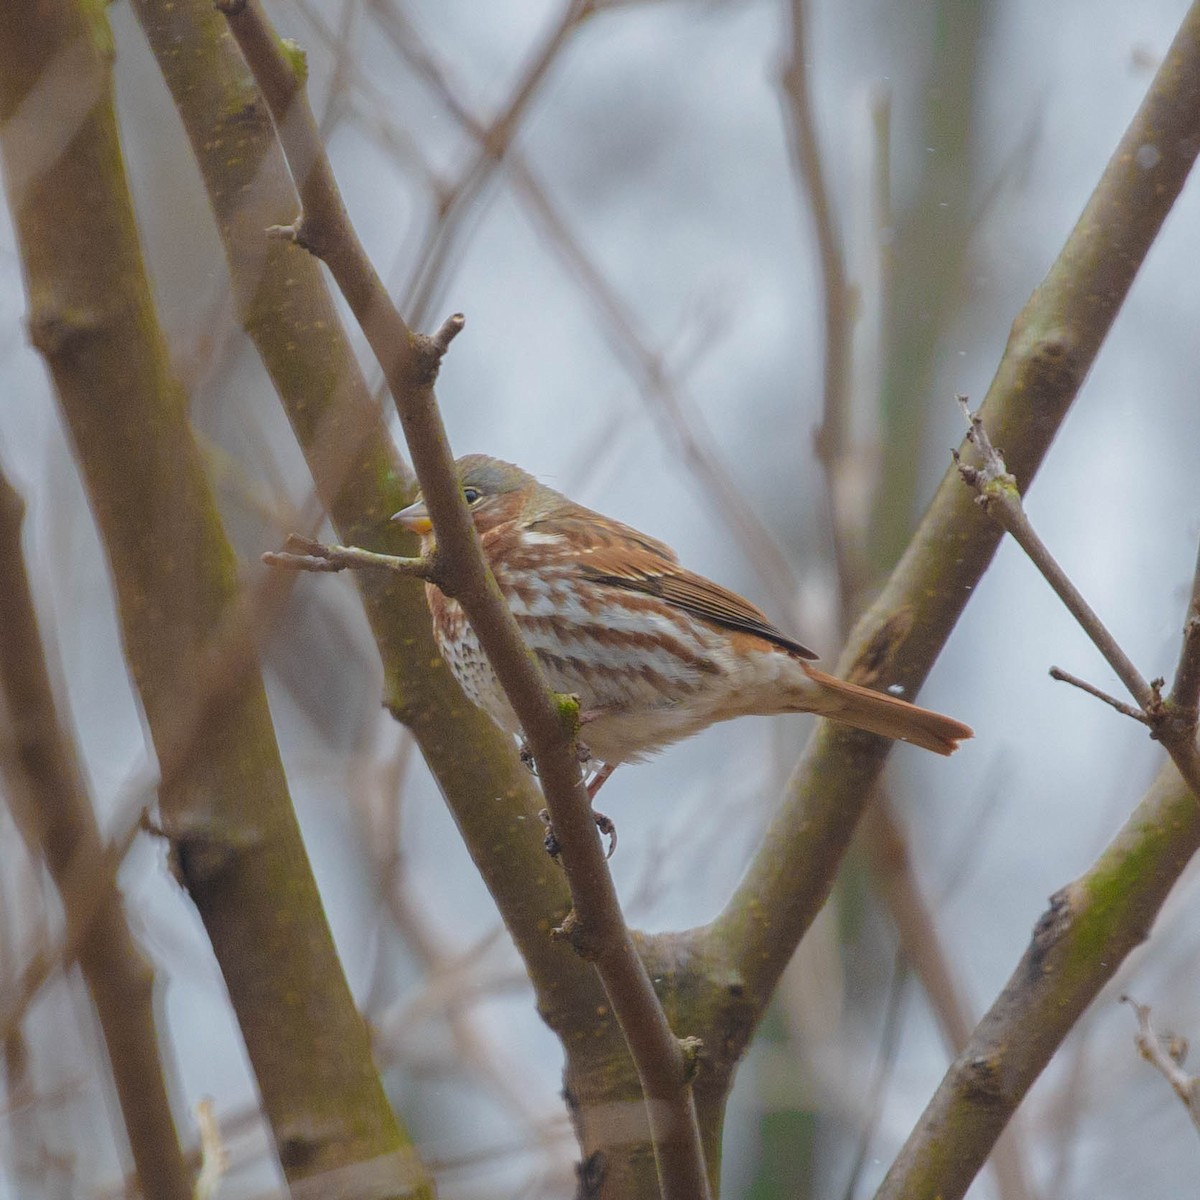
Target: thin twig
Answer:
[[1082, 684], [214, 1157], [1167, 1059], [834, 448], [456, 203], [410, 365], [305, 554], [999, 497], [697, 449], [53, 811], [846, 490]]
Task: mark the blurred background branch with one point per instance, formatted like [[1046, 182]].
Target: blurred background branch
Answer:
[[606, 189]]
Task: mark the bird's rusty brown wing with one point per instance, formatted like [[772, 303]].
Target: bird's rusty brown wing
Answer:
[[605, 551]]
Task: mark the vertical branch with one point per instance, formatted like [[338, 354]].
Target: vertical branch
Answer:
[[54, 815], [928, 240], [1054, 341], [833, 441], [849, 505], [228, 812], [289, 313], [410, 364]]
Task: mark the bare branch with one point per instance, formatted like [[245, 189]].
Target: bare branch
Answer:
[[228, 812], [832, 441], [1000, 499], [304, 554], [410, 366], [494, 140], [1125, 709], [841, 460], [1166, 1055], [288, 312], [696, 447], [1055, 340], [55, 816]]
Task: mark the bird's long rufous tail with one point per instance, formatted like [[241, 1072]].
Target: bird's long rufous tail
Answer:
[[877, 712]]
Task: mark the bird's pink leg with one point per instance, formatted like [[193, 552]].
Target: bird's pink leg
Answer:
[[597, 781], [604, 824]]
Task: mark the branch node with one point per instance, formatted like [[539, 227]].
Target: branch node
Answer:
[[451, 327], [574, 931], [993, 477], [199, 856], [567, 704], [304, 554], [1166, 1053], [693, 1055], [429, 349]]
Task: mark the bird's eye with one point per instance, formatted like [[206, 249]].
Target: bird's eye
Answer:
[[470, 494]]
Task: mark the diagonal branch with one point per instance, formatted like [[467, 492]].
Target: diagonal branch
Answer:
[[1093, 923], [1165, 1054], [1054, 341], [288, 312], [52, 810], [997, 494], [233, 829], [849, 504], [1079, 943], [410, 364]]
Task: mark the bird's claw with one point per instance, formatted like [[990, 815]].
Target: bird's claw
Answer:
[[527, 759], [608, 829], [583, 755], [604, 824]]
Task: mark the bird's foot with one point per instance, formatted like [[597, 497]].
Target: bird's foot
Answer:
[[604, 824], [550, 838], [597, 780], [527, 758], [608, 829], [583, 755]]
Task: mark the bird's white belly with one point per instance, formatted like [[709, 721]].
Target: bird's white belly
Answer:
[[635, 699]]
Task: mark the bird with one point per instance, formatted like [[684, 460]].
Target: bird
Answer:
[[654, 652]]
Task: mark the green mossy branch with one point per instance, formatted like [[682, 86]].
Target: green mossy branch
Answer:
[[290, 316], [224, 800], [51, 807], [1079, 944], [1053, 344]]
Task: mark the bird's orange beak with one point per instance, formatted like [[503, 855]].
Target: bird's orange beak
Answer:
[[415, 518]]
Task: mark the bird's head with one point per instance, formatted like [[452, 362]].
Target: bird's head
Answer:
[[496, 493]]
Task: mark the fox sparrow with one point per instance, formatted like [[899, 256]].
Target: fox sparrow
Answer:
[[654, 652]]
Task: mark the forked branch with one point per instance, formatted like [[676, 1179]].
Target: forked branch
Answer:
[[998, 495], [410, 364]]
